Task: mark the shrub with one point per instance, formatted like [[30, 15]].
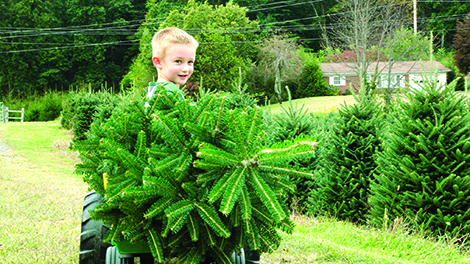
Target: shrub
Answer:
[[424, 168], [83, 108], [239, 96], [69, 107], [51, 106], [33, 112], [44, 108], [190, 179], [312, 79], [260, 84], [293, 122], [346, 166]]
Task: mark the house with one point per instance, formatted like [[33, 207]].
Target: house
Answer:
[[403, 74]]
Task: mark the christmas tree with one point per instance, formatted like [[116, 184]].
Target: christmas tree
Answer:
[[192, 179], [346, 164], [423, 171]]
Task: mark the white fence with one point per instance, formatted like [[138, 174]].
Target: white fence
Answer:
[[5, 114]]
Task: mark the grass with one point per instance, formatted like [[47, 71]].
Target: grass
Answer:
[[325, 240], [41, 199], [315, 104], [41, 205]]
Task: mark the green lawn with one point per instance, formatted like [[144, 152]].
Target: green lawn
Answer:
[[41, 203], [41, 199], [325, 240], [315, 104]]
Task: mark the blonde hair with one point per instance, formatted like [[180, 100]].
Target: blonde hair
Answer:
[[168, 36]]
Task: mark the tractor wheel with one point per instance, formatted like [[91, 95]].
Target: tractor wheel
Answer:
[[238, 257], [113, 257], [92, 247], [251, 256]]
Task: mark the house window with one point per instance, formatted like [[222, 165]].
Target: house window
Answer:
[[337, 81], [392, 81], [398, 81]]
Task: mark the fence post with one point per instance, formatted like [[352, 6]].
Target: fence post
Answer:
[[22, 115], [6, 114], [2, 116]]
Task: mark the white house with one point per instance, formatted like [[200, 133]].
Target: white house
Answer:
[[401, 74]]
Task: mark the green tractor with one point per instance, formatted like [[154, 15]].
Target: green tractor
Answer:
[[93, 250]]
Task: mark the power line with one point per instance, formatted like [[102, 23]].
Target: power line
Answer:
[[122, 29], [48, 32], [68, 47], [108, 31], [275, 3], [90, 25], [284, 6]]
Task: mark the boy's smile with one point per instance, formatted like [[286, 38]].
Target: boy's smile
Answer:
[[177, 64]]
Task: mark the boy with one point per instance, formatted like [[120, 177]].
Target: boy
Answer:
[[173, 54]]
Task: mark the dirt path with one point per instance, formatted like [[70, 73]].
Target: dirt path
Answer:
[[4, 150]]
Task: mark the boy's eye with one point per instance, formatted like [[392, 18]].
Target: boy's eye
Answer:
[[178, 61]]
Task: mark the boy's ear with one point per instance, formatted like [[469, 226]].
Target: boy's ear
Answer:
[[156, 62]]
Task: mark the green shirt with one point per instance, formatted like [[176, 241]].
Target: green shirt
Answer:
[[169, 86]]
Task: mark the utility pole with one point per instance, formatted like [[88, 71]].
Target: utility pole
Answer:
[[415, 17]]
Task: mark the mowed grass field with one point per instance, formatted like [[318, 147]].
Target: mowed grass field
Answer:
[[314, 104], [41, 198], [41, 204]]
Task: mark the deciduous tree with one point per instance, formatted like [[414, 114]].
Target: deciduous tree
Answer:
[[227, 41], [462, 47], [372, 27], [278, 59]]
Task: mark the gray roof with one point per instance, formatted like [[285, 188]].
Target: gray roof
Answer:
[[398, 67]]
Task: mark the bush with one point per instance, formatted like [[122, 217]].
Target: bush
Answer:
[[295, 122], [33, 112], [258, 83], [51, 107], [312, 81], [239, 95], [70, 105], [83, 108], [44, 108], [292, 122], [424, 168]]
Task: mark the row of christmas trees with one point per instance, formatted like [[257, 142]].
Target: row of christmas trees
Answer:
[[411, 163]]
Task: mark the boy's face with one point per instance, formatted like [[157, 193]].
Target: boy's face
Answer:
[[177, 65]]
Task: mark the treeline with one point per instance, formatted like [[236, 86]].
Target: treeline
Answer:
[[58, 45]]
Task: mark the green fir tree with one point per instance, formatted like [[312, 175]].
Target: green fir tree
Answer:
[[292, 122], [346, 164], [191, 179], [423, 171]]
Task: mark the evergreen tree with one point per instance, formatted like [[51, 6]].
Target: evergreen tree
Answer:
[[346, 166], [424, 170], [191, 179], [292, 122]]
